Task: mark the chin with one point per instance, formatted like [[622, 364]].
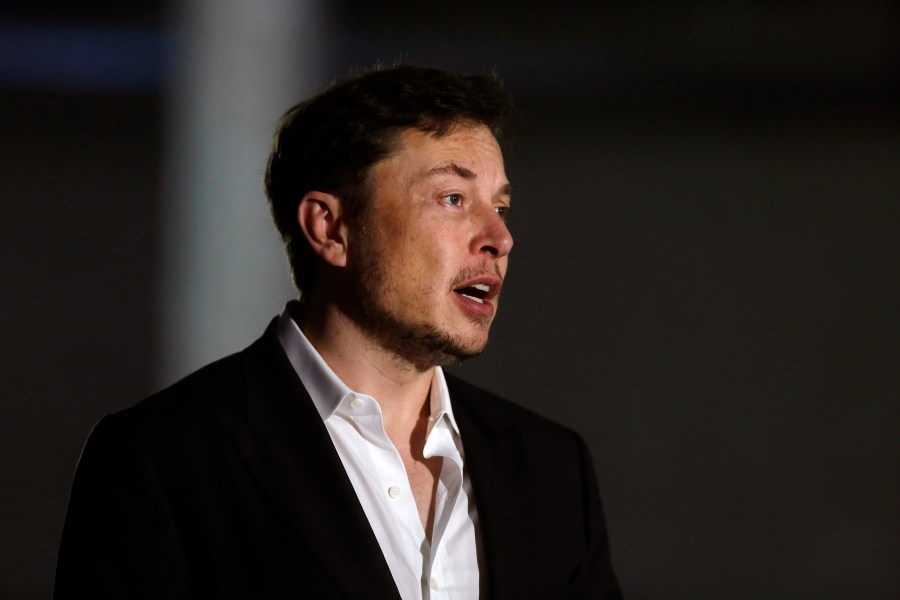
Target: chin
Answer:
[[424, 345], [429, 347]]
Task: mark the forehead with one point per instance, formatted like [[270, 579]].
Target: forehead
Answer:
[[472, 147]]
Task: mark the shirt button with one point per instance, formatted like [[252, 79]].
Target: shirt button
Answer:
[[434, 584], [356, 404], [394, 492]]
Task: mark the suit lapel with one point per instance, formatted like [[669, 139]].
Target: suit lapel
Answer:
[[284, 444], [494, 460]]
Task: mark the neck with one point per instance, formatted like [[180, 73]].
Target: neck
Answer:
[[402, 390]]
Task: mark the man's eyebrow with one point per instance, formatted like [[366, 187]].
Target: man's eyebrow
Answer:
[[451, 169], [455, 169]]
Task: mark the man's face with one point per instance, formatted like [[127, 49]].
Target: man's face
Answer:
[[430, 253]]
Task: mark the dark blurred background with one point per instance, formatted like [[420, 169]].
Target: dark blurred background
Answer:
[[704, 284]]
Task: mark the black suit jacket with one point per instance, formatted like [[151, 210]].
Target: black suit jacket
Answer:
[[227, 485]]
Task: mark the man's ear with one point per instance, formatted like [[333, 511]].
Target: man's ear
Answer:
[[320, 218]]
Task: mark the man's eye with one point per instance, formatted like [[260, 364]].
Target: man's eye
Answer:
[[453, 199], [503, 211]]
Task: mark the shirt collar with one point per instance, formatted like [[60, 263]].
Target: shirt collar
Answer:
[[440, 401], [328, 391], [324, 387]]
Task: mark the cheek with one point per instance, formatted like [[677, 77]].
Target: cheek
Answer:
[[426, 273], [421, 255], [431, 246]]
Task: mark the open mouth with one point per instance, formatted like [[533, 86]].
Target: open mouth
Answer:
[[478, 292]]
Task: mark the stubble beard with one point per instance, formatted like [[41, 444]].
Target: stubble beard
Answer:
[[422, 345]]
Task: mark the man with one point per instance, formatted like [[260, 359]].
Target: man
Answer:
[[333, 458]]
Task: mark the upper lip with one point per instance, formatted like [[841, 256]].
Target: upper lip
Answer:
[[493, 286]]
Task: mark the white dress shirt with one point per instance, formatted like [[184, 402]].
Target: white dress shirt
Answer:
[[447, 568]]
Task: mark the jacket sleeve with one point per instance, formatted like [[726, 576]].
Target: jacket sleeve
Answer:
[[119, 539]]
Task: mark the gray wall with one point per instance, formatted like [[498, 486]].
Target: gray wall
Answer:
[[704, 282]]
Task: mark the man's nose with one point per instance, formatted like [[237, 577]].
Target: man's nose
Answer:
[[492, 235]]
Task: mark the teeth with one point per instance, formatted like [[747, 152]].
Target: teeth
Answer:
[[478, 300], [482, 286]]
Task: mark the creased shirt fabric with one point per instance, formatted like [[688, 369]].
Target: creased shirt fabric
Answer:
[[447, 568]]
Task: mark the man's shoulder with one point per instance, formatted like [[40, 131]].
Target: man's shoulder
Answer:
[[206, 386], [181, 409], [219, 387]]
